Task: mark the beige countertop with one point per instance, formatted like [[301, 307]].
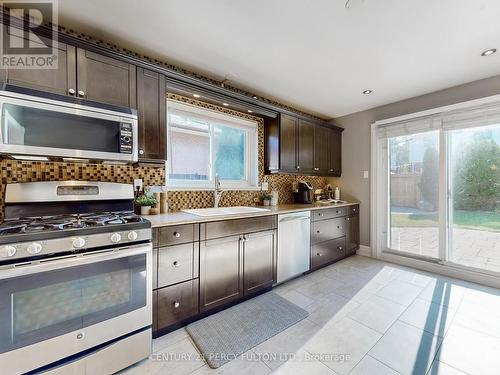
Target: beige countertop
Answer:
[[177, 218]]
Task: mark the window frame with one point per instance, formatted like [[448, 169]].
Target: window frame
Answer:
[[251, 181]]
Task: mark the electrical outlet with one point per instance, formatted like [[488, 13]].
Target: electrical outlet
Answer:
[[138, 184], [265, 185], [365, 174]]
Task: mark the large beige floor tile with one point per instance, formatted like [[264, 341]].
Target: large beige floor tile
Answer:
[[406, 349], [370, 366], [429, 316], [343, 345], [470, 351], [377, 313], [303, 364], [400, 292]]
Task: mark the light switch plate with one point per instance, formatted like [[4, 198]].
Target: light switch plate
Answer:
[[365, 174], [265, 185]]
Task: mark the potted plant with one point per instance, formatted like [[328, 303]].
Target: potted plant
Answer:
[[266, 198], [145, 201]]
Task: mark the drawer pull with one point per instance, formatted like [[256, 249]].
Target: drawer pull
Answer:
[[339, 247], [319, 254], [320, 215], [316, 169], [339, 226], [318, 231], [176, 304], [338, 212], [353, 210], [177, 234], [347, 219], [175, 263]]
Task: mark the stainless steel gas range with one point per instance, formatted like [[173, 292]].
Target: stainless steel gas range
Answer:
[[75, 279]]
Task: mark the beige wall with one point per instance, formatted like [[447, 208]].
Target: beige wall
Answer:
[[356, 137]]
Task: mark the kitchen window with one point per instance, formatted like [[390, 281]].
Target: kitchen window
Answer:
[[204, 143]]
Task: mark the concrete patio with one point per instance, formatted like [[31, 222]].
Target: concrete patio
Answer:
[[474, 248]]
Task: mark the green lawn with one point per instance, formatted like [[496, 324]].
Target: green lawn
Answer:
[[484, 220]]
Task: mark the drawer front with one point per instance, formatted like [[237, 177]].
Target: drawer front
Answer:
[[326, 252], [176, 303], [329, 213], [228, 228], [178, 234], [353, 210], [326, 230], [177, 263]]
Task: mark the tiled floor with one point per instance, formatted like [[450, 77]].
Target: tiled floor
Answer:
[[474, 248], [366, 317]]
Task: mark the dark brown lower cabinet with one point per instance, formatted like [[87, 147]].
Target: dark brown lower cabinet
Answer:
[[258, 261], [176, 303], [220, 280], [352, 233], [327, 252]]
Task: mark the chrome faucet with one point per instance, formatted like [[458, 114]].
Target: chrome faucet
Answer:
[[217, 191]]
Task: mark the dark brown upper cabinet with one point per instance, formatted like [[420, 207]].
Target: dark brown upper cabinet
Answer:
[[104, 79], [305, 150], [321, 155], [151, 105], [335, 153], [80, 73], [288, 142], [59, 81], [299, 146]]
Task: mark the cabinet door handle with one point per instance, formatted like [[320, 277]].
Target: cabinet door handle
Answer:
[[81, 94], [347, 219], [316, 169], [176, 304], [319, 254], [141, 152], [318, 231], [353, 210], [176, 234], [175, 263], [298, 167], [339, 247], [71, 91], [331, 170]]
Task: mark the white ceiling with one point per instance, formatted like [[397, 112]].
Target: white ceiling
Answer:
[[315, 55]]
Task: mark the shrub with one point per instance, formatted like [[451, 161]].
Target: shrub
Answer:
[[477, 176], [429, 183]]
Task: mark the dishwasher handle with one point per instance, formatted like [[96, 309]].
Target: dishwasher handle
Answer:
[[290, 218]]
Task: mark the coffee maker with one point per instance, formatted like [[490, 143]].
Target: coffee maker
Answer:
[[302, 192]]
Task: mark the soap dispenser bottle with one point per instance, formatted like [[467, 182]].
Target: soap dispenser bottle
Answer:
[[337, 193]]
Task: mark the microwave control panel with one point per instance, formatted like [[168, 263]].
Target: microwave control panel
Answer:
[[126, 138]]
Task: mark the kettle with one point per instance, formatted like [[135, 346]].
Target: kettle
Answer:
[[302, 192]]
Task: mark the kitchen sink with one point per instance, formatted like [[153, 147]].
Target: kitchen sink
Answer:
[[331, 201], [223, 211]]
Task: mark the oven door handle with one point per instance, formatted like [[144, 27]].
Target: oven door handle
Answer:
[[72, 261]]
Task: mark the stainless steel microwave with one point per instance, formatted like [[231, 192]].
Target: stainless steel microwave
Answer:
[[36, 123]]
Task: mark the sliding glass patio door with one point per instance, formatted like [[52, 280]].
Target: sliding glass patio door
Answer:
[[474, 199], [414, 194], [437, 188]]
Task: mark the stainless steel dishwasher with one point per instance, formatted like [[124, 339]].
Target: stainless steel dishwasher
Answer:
[[294, 241]]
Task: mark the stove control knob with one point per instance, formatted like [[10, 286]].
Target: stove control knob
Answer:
[[116, 237], [132, 236], [7, 251], [34, 248], [78, 243]]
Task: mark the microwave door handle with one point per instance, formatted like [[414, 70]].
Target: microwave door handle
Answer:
[[71, 261]]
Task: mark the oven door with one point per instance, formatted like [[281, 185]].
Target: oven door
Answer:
[[59, 308], [44, 127]]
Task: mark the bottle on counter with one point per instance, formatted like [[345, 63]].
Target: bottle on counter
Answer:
[[274, 198], [337, 193]]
